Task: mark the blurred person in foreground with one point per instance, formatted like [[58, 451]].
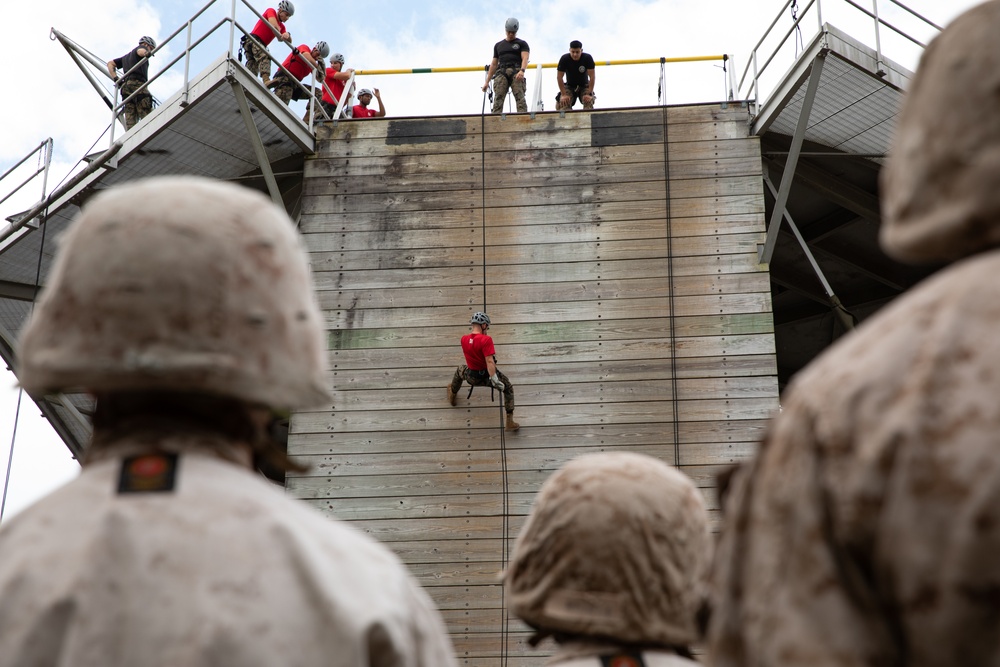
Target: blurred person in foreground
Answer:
[[867, 529], [611, 563], [185, 306]]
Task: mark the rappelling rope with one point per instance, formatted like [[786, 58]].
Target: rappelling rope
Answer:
[[505, 492], [670, 287]]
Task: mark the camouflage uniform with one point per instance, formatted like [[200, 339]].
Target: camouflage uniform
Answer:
[[501, 84], [140, 106], [482, 379], [178, 295], [866, 531], [258, 58]]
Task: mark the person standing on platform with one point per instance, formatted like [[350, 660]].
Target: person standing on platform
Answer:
[[575, 75], [480, 368], [336, 78], [510, 61], [255, 45], [304, 61], [866, 530], [139, 106], [185, 307], [611, 563], [361, 110]]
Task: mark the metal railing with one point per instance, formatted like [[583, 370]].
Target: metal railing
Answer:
[[28, 174], [200, 45], [785, 34]]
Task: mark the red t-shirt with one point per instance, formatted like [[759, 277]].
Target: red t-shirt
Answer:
[[335, 85], [476, 348], [263, 30], [299, 67], [363, 112]]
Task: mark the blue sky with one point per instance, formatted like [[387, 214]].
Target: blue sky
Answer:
[[390, 34]]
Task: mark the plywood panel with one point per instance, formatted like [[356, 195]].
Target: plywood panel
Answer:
[[616, 253]]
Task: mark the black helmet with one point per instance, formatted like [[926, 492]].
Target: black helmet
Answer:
[[480, 318]]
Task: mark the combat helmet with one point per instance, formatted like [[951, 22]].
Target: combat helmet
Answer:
[[616, 546], [940, 199], [179, 284]]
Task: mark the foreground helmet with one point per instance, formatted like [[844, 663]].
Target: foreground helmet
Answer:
[[323, 48], [511, 25], [146, 39], [337, 58], [287, 7], [940, 195], [179, 284], [616, 546], [365, 91], [480, 318]]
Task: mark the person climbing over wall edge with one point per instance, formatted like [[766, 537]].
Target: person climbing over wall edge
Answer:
[[480, 369]]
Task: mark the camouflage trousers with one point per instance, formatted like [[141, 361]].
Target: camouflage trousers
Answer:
[[501, 84], [139, 106], [258, 58], [574, 95], [482, 379]]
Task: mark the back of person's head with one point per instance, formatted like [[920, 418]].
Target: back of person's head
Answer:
[[616, 547], [179, 285], [939, 191], [576, 44]]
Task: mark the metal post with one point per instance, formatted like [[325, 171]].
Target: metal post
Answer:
[[258, 145], [187, 66], [879, 71], [781, 200], [819, 14], [756, 84]]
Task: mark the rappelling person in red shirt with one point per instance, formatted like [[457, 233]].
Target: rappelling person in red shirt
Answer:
[[480, 368]]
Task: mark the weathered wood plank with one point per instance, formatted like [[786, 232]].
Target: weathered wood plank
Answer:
[[557, 311], [652, 436], [587, 290]]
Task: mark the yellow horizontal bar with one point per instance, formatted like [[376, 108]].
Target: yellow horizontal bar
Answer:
[[440, 70]]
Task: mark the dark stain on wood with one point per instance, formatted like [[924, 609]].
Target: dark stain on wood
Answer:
[[620, 129], [425, 131]]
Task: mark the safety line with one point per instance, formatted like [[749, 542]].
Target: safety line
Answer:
[[671, 290], [505, 491], [479, 68]]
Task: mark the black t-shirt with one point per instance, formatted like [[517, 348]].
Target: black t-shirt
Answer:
[[509, 53], [576, 70], [129, 60]]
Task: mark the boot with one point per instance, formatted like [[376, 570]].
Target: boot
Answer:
[[511, 424], [451, 396]]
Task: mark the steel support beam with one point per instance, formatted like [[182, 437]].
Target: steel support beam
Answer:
[[765, 252], [838, 308], [258, 145]]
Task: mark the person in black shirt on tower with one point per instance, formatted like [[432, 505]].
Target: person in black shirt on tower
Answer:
[[510, 60], [578, 69]]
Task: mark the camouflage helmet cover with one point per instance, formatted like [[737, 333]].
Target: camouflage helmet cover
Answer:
[[617, 546], [939, 195], [179, 284]]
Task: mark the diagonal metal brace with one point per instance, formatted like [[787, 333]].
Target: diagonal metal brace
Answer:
[[258, 145], [765, 252]]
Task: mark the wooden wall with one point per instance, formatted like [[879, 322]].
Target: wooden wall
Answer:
[[628, 310]]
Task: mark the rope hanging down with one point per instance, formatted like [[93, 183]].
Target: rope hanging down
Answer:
[[505, 486], [670, 290], [799, 46]]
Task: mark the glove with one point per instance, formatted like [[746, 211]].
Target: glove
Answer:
[[495, 381]]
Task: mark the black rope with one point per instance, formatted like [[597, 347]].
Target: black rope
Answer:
[[799, 46], [505, 494], [504, 541], [671, 290]]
